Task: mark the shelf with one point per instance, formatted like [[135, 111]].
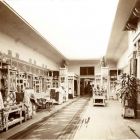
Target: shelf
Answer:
[[15, 121], [11, 111]]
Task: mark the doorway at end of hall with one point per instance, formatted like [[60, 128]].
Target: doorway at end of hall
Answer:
[[83, 84]]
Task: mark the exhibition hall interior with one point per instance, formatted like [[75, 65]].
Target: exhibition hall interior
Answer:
[[70, 69]]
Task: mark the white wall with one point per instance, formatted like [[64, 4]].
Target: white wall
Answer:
[[75, 66], [134, 36], [123, 61], [25, 52]]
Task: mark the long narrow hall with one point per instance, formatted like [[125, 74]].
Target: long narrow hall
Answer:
[[70, 69], [82, 120]]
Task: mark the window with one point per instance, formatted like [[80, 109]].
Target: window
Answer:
[[86, 70]]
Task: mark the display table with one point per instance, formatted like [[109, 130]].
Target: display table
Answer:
[[17, 117], [99, 100]]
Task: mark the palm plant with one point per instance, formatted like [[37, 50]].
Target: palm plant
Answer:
[[128, 91]]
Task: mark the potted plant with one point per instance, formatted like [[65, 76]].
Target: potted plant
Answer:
[[128, 94]]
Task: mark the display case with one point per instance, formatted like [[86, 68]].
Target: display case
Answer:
[[64, 80], [55, 79], [37, 84], [113, 77], [72, 85], [97, 80], [49, 82], [29, 80], [22, 82], [8, 84], [105, 80], [44, 84]]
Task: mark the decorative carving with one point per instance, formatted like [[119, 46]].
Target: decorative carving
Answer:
[[103, 62]]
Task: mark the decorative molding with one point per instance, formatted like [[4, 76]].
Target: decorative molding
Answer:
[[133, 19]]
